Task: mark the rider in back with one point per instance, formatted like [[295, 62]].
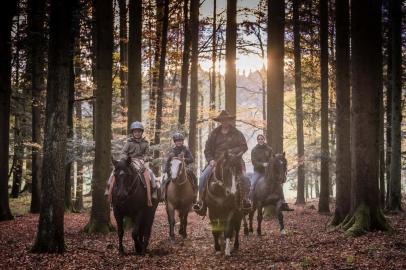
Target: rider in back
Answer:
[[260, 156], [137, 147], [223, 139], [180, 151]]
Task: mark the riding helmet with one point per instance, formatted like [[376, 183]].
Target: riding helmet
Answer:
[[136, 125], [178, 137]]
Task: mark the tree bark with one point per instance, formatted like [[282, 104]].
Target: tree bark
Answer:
[[161, 78], [36, 66], [122, 5], [365, 214], [231, 50], [100, 213], [395, 195], [343, 154], [299, 104], [325, 153], [185, 65], [194, 85], [6, 15], [213, 66], [275, 73], [135, 62], [50, 235]]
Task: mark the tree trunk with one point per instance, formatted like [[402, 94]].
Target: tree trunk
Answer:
[[231, 50], [69, 168], [366, 214], [194, 85], [213, 66], [100, 213], [135, 62], [343, 154], [185, 65], [388, 110], [275, 73], [395, 195], [6, 15], [299, 105], [78, 206], [155, 72], [325, 153], [122, 5], [161, 78], [50, 235], [36, 66]]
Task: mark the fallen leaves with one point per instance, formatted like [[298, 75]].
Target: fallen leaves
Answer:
[[308, 245]]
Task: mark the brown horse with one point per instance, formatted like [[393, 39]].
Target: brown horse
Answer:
[[180, 196], [268, 191], [223, 198]]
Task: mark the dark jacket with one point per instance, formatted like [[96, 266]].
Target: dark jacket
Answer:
[[217, 143], [259, 155], [175, 152], [136, 149]]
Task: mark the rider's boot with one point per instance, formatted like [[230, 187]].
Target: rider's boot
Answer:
[[200, 207], [285, 207]]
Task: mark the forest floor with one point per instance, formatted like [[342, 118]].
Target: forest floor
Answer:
[[309, 244]]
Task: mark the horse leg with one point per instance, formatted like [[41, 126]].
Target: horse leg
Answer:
[[171, 220], [251, 217], [183, 223], [136, 233], [237, 226], [244, 219], [120, 232], [228, 234], [280, 217], [259, 219]]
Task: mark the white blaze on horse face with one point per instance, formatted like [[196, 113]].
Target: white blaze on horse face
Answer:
[[175, 164], [233, 185], [227, 250]]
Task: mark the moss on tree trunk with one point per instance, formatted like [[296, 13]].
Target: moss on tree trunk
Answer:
[[365, 219]]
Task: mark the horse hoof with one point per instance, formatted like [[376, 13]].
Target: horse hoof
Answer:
[[283, 232], [218, 252]]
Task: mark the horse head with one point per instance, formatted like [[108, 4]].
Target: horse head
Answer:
[[125, 176], [225, 175], [277, 168], [178, 169]]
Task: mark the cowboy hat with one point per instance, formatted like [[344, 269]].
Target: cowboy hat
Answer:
[[224, 115]]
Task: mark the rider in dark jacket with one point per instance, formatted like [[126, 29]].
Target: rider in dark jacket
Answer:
[[224, 138]]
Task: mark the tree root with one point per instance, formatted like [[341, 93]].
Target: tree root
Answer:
[[95, 226]]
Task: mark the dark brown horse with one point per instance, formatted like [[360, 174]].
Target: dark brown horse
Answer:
[[268, 192], [129, 199], [224, 203], [179, 196]]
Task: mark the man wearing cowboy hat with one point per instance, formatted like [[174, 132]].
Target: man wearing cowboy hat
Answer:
[[223, 139]]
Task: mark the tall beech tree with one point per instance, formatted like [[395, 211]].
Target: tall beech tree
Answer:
[[299, 103], [50, 235], [343, 154], [275, 73], [394, 193], [6, 16], [100, 213], [194, 84], [365, 214], [231, 51], [123, 13], [135, 62], [325, 153]]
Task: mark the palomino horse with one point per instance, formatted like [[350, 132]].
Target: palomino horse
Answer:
[[129, 199], [223, 199], [268, 191], [179, 196]]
